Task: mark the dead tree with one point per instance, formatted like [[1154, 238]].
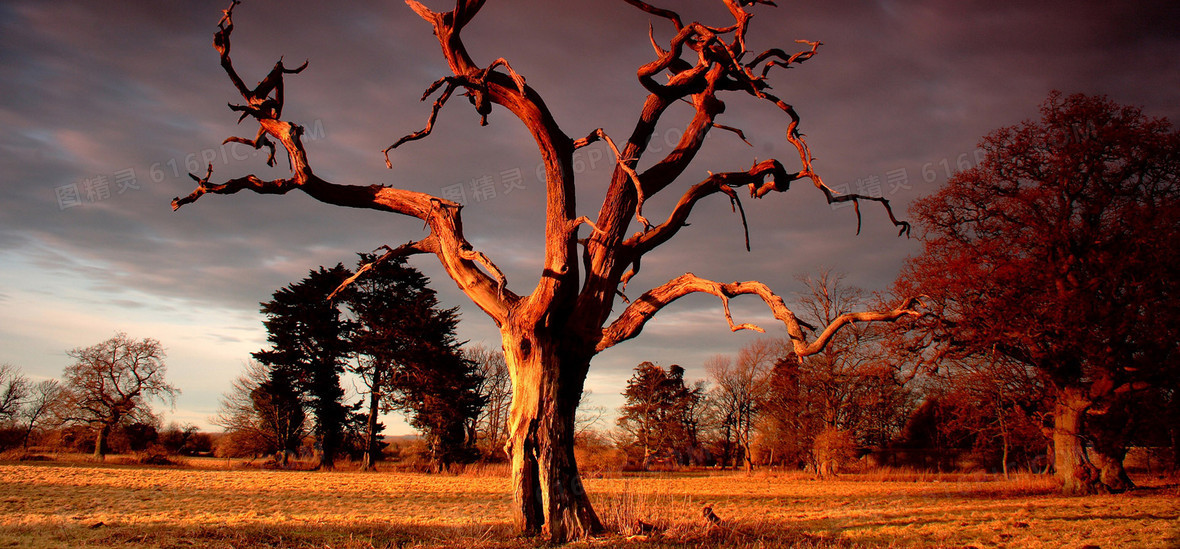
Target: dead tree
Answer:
[[551, 333]]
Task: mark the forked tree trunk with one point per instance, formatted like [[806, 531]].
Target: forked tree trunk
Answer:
[[1077, 475], [549, 498]]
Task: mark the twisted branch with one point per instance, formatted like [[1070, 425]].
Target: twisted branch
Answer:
[[632, 320], [406, 249], [442, 217], [715, 183], [451, 83]]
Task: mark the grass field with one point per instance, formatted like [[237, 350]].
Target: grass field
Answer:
[[61, 504]]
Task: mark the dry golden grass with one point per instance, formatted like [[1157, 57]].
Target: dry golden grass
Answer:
[[60, 504]]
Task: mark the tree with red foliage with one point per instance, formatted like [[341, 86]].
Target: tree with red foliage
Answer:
[[1060, 251]]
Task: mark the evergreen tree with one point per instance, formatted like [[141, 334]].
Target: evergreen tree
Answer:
[[309, 340], [411, 361]]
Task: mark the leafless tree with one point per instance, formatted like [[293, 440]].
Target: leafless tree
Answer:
[[738, 387], [496, 391], [258, 421], [14, 388], [853, 386], [111, 383], [588, 417], [236, 413], [42, 405], [551, 332]]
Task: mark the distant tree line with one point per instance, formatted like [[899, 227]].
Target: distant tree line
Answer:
[[764, 406], [867, 401], [102, 404]]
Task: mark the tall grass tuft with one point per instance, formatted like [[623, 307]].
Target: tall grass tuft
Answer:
[[631, 513]]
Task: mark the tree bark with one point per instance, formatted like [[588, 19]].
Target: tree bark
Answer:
[[1004, 436], [1108, 431], [327, 457], [1112, 476], [100, 442], [549, 498], [1004, 456], [1175, 447], [1073, 468], [747, 453]]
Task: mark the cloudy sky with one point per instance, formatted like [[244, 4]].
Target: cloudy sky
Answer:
[[104, 107]]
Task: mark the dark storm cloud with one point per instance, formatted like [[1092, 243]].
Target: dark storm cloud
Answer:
[[93, 90]]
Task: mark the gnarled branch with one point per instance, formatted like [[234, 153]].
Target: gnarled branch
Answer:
[[406, 249], [258, 142], [796, 139], [666, 14], [485, 87], [641, 243], [451, 84], [632, 320], [780, 58], [251, 182], [442, 217]]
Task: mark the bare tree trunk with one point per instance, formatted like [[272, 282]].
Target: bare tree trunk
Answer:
[[727, 457], [826, 468], [1109, 434], [100, 442], [1112, 476], [548, 495], [747, 453], [1073, 468], [1004, 457], [327, 460], [1004, 440], [372, 445]]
